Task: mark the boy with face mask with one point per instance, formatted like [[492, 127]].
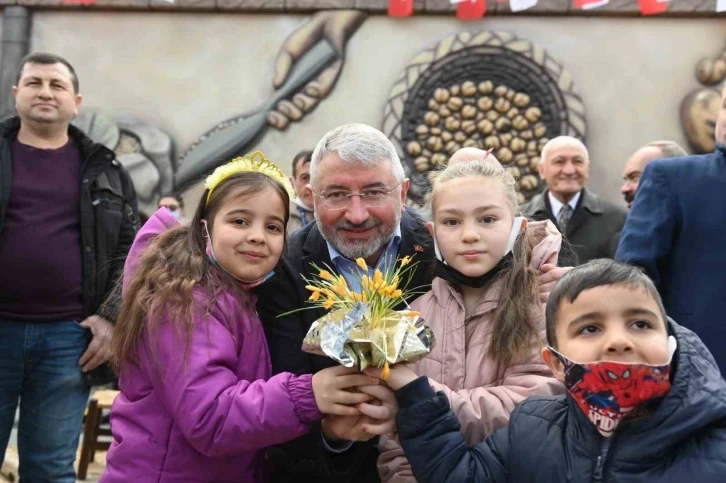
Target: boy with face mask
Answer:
[[646, 401]]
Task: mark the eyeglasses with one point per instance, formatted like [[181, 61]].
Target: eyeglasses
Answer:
[[339, 199]]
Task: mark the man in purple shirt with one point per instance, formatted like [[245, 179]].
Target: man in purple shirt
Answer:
[[67, 220]]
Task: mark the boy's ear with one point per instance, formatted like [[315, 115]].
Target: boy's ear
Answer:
[[554, 363]]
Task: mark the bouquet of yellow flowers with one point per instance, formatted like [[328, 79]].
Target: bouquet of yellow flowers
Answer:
[[363, 328]]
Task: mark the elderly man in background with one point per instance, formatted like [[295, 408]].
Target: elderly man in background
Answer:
[[589, 223], [640, 159], [301, 208], [675, 231]]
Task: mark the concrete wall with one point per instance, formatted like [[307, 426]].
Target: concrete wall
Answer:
[[186, 72]]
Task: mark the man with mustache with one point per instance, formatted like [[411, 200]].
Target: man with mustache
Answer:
[[589, 223], [68, 216], [640, 159], [359, 187], [676, 233]]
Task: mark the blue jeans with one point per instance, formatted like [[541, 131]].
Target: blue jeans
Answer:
[[39, 367]]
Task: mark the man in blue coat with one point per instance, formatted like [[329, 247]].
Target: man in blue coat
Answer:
[[676, 232]]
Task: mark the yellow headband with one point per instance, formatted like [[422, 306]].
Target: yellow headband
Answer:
[[249, 163]]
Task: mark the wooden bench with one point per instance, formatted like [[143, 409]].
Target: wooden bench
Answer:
[[92, 429]]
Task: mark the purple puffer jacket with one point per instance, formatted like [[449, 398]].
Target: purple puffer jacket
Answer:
[[209, 419]]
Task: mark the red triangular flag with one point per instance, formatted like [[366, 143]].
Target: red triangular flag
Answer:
[[471, 9], [652, 7], [400, 8]]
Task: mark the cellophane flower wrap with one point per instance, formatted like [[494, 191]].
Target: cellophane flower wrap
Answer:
[[362, 328]]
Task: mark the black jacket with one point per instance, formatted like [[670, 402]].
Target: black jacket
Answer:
[[593, 230], [305, 459], [109, 216], [549, 439]]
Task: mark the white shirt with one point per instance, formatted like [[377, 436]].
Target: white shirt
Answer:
[[557, 204]]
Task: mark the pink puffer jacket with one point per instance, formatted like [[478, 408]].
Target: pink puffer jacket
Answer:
[[482, 392]]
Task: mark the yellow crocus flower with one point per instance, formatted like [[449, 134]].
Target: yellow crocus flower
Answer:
[[364, 282], [312, 288], [326, 275], [361, 263], [385, 372], [357, 297], [396, 293], [328, 303], [377, 278], [315, 296], [405, 261], [364, 297]]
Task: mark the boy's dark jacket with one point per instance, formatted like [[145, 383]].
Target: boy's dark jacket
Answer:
[[549, 439]]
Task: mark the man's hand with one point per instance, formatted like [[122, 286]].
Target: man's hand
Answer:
[[99, 350], [336, 27], [349, 428], [548, 276]]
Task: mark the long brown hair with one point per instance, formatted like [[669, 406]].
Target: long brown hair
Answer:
[[514, 330], [173, 265]]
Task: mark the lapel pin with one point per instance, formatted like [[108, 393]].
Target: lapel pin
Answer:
[[418, 248]]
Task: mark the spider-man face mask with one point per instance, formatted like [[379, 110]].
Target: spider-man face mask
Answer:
[[608, 391]]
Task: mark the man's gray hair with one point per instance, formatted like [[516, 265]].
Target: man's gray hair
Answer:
[[563, 141], [357, 143], [670, 149]]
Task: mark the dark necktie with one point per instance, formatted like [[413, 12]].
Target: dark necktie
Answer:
[[564, 218]]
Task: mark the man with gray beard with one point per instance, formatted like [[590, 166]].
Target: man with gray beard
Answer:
[[359, 190]]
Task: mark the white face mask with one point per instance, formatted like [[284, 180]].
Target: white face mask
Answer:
[[516, 227]]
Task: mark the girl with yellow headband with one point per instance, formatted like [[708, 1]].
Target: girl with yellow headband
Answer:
[[197, 402]]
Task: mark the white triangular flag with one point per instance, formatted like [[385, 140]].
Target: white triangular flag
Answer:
[[591, 5], [519, 5]]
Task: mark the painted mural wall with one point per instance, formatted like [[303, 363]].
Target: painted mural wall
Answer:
[[186, 72]]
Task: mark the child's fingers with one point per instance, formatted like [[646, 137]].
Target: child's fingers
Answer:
[[353, 380], [385, 427], [347, 397], [373, 372], [342, 410], [382, 393], [375, 411]]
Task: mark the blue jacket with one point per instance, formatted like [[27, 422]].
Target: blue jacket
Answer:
[[549, 439], [676, 231]]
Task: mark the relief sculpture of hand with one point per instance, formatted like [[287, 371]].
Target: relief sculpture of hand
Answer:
[[337, 27]]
